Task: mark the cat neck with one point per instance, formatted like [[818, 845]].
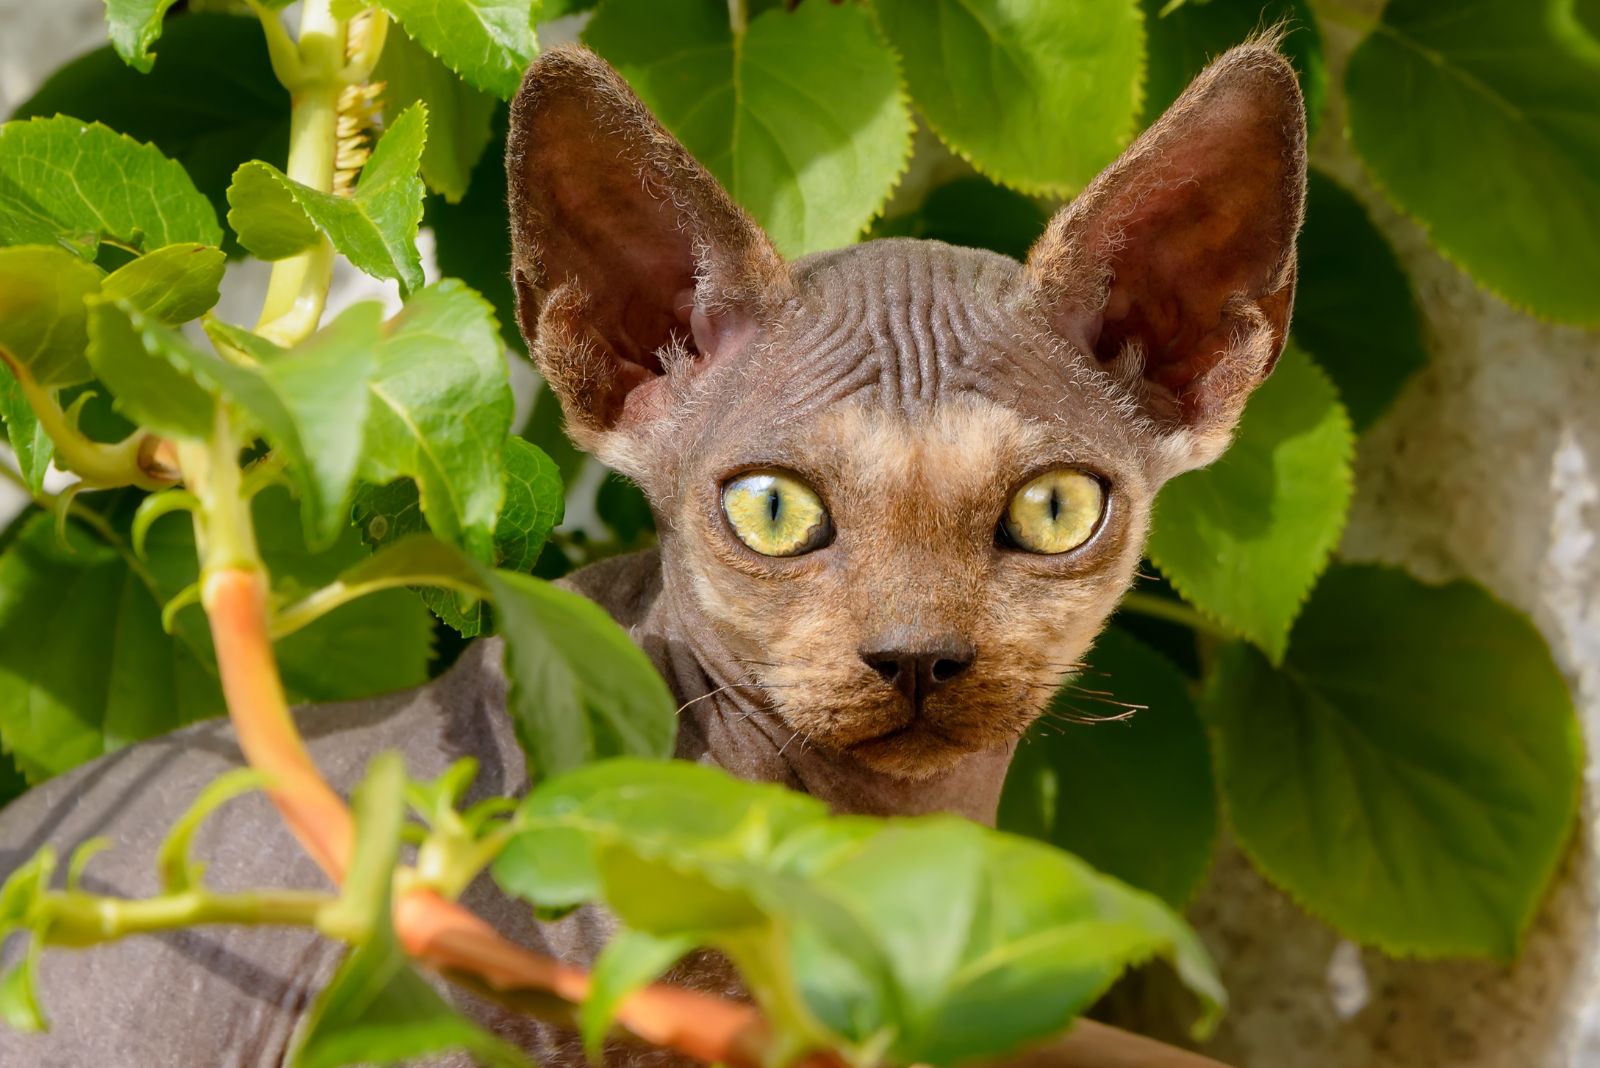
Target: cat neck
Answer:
[[726, 720]]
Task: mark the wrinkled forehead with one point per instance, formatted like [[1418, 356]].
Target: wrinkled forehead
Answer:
[[900, 340]]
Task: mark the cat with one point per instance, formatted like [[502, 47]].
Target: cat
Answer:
[[899, 489]]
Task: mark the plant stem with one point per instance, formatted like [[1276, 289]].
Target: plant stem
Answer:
[[738, 17], [86, 919], [318, 604], [297, 290], [101, 466], [1157, 607]]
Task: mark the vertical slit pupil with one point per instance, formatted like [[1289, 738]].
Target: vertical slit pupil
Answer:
[[774, 505], [1055, 504]]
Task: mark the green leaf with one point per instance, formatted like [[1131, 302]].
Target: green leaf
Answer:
[[804, 121], [1132, 796], [1475, 117], [42, 329], [1412, 772], [488, 42], [1245, 539], [441, 412], [32, 446], [458, 113], [631, 960], [149, 368], [375, 227], [377, 1009], [172, 285], [1039, 94], [533, 506], [1353, 307], [974, 212], [1182, 39], [19, 992], [84, 665], [243, 114], [1018, 939], [580, 689], [134, 27], [310, 401], [77, 184]]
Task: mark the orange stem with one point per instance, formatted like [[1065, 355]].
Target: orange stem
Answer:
[[448, 936]]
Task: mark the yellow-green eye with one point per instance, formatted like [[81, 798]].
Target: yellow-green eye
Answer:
[[1054, 513], [776, 514]]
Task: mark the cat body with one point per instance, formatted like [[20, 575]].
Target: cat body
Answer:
[[899, 489]]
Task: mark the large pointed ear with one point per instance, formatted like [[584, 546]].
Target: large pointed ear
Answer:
[[632, 265], [1175, 267]]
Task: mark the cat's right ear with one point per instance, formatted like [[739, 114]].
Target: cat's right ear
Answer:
[[633, 267]]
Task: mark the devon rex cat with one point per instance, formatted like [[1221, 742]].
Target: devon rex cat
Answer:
[[899, 487]]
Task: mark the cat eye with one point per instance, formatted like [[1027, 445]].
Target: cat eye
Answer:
[[1054, 513], [776, 514]]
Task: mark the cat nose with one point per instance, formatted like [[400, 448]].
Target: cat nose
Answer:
[[919, 672]]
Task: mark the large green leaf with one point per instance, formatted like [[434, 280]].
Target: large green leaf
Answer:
[[580, 689], [1133, 796], [1353, 306], [134, 26], [458, 114], [441, 410], [42, 325], [803, 120], [1411, 773], [1245, 539], [1183, 38], [1477, 117], [84, 665], [1040, 94], [472, 238], [149, 368], [375, 227], [242, 114], [76, 184], [533, 507], [1017, 940], [488, 42]]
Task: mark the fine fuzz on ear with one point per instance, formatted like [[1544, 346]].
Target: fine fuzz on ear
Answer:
[[624, 248], [1175, 267]]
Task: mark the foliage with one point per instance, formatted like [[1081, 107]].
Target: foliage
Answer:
[[1401, 758]]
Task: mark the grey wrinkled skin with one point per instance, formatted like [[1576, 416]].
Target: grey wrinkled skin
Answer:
[[915, 386]]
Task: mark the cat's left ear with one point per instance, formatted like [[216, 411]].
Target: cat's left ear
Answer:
[[1175, 268]]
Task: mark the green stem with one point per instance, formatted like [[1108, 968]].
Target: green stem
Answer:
[[1157, 607], [224, 528], [101, 466], [297, 290], [738, 17], [86, 919], [316, 605]]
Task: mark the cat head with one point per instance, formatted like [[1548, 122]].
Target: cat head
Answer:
[[902, 485]]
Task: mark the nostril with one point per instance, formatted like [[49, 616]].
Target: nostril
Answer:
[[887, 667], [946, 669]]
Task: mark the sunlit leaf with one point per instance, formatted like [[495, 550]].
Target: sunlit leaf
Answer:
[[458, 114], [1411, 773], [42, 324], [1498, 157], [804, 122], [76, 184], [1039, 94], [488, 42], [1245, 539], [134, 26]]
